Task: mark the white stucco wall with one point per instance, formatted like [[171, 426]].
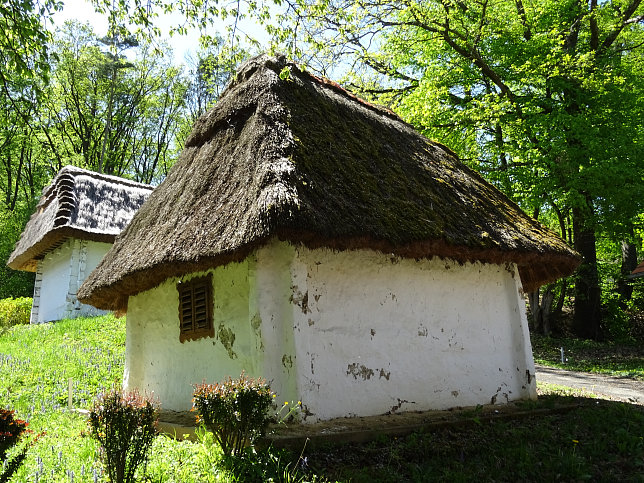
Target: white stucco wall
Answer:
[[347, 333], [59, 275], [375, 333], [157, 362], [56, 269]]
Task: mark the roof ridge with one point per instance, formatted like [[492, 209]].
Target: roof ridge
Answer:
[[72, 170]]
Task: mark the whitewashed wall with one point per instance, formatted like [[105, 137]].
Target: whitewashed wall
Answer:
[[347, 333], [59, 275], [55, 283], [157, 362], [376, 333]]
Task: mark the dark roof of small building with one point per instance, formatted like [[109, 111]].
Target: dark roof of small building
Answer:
[[638, 272], [299, 158], [80, 204]]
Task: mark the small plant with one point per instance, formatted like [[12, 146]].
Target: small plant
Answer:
[[125, 426], [15, 311], [11, 431], [288, 412], [235, 411]]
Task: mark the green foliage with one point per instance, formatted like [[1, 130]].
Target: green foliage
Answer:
[[125, 426], [36, 362], [544, 99], [105, 112], [11, 431], [23, 39], [235, 411], [15, 311], [13, 283], [272, 464]]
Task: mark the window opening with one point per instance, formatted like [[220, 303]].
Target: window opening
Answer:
[[195, 308]]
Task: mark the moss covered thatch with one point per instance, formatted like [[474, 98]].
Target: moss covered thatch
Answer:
[[80, 204], [303, 160]]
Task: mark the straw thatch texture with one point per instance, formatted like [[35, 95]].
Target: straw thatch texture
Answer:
[[80, 204], [301, 159]]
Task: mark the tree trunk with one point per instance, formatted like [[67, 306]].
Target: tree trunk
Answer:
[[587, 319], [629, 262], [535, 311], [562, 297], [541, 310]]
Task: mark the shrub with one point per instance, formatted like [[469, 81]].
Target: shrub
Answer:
[[125, 426], [11, 430], [15, 311], [235, 411]]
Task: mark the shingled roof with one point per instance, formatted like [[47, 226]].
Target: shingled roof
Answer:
[[299, 158], [80, 204]]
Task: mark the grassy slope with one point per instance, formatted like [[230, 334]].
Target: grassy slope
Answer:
[[36, 363], [598, 441]]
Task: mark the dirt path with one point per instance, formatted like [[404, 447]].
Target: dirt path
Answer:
[[605, 387]]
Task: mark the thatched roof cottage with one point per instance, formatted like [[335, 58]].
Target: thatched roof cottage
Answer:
[[319, 241], [75, 223]]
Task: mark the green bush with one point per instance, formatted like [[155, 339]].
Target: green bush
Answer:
[[235, 411], [125, 426], [15, 311], [11, 430]]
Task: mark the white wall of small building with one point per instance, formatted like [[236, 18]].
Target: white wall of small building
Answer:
[[347, 333], [156, 362], [58, 277], [375, 333]]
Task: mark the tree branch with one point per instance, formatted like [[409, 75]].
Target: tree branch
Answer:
[[626, 18], [594, 29], [527, 33]]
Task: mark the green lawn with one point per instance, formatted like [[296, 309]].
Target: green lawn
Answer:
[[600, 440]]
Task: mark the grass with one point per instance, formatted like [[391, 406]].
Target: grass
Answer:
[[36, 363], [620, 360], [596, 442], [599, 440]]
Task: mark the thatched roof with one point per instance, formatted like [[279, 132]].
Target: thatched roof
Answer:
[[80, 204], [301, 159]]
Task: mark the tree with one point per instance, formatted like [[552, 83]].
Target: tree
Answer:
[[545, 99], [122, 124], [24, 55]]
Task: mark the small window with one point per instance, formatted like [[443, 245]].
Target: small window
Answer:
[[195, 308]]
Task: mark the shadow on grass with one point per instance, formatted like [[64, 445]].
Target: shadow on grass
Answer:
[[591, 440]]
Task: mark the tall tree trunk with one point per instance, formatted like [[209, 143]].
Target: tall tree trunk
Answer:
[[587, 319], [540, 310], [629, 262]]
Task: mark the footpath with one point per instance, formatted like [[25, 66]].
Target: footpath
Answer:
[[605, 387]]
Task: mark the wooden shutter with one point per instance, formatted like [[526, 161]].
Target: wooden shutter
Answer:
[[195, 308]]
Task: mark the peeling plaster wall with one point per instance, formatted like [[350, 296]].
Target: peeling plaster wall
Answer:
[[347, 333], [376, 333], [157, 362], [59, 275]]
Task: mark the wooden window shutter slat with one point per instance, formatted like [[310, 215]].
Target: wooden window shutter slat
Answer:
[[195, 308]]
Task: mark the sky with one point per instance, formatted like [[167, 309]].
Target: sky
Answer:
[[82, 10]]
